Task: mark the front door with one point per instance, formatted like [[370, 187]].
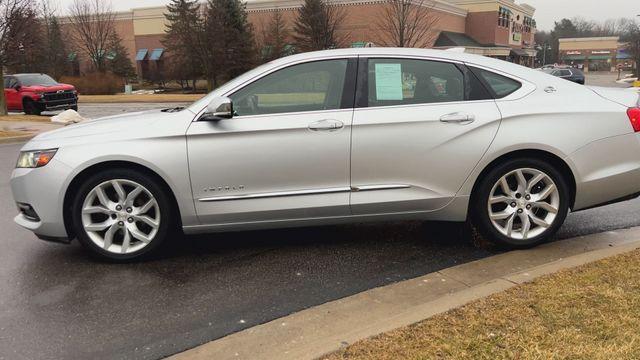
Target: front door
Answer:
[[12, 96], [285, 155], [420, 128]]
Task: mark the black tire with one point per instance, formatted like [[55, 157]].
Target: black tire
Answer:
[[31, 108], [167, 229], [74, 108], [479, 211]]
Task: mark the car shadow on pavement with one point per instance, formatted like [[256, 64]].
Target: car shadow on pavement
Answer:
[[415, 234]]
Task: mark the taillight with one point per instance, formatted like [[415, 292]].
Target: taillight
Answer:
[[634, 117]]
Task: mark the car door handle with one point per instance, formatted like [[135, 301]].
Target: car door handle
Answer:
[[458, 118], [326, 125]]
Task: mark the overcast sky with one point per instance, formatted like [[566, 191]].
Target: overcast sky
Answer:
[[547, 12]]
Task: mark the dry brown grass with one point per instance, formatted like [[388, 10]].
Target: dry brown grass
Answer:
[[591, 312], [34, 118], [151, 98], [10, 133]]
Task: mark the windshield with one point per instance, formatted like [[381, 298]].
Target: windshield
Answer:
[[36, 79], [548, 71]]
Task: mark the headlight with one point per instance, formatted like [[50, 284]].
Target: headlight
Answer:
[[35, 159]]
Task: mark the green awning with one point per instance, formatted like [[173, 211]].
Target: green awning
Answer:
[[575, 57], [600, 57]]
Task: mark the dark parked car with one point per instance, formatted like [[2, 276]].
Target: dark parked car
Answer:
[[35, 93], [568, 73]]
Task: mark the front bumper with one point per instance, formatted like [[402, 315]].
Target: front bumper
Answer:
[[43, 189], [58, 104]]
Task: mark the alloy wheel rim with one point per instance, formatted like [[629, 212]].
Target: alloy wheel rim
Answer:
[[121, 216], [523, 204]]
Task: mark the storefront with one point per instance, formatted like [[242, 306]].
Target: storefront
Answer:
[[595, 54]]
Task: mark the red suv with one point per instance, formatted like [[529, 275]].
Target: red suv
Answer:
[[35, 93]]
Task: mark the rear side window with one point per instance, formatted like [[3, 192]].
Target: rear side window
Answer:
[[501, 86], [409, 81]]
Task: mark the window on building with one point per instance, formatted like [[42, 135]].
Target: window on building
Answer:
[[305, 87], [501, 86], [504, 17]]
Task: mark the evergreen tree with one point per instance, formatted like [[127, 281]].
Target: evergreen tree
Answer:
[[183, 39], [56, 49], [316, 26], [235, 51], [275, 39], [118, 61]]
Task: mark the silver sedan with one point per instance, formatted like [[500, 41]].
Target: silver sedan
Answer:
[[337, 136]]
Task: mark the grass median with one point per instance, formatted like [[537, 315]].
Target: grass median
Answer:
[[590, 312], [12, 133], [20, 118]]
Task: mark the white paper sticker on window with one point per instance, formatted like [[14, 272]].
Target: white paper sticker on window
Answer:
[[389, 82]]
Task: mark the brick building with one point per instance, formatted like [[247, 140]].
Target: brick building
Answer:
[[595, 53], [497, 28]]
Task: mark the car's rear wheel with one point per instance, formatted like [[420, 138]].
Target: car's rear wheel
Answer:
[[31, 108], [123, 214], [520, 203]]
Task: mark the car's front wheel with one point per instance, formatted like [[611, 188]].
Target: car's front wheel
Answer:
[[520, 203], [122, 214]]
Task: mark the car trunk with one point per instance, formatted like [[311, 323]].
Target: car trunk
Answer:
[[624, 97]]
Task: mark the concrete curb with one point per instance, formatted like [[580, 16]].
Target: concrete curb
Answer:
[[314, 332], [17, 139]]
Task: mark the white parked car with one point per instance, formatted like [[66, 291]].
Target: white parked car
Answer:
[[338, 136]]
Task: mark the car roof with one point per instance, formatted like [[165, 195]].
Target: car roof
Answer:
[[445, 55], [26, 74]]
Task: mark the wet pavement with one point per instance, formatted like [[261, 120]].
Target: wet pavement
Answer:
[[56, 302]]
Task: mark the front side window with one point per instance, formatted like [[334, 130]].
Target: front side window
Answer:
[[501, 86], [10, 83], [304, 87], [408, 81]]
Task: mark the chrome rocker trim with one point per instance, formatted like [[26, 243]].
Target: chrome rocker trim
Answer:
[[305, 192]]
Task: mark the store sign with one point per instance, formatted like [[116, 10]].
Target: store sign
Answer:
[[574, 52], [601, 52], [517, 37]]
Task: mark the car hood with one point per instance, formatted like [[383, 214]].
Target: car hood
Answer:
[[42, 88], [128, 126]]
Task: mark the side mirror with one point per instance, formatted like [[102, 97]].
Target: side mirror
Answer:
[[218, 109], [17, 87]]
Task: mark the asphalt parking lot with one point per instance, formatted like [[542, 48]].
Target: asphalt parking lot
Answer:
[[56, 302]]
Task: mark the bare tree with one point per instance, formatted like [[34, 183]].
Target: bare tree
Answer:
[[10, 13], [408, 23], [92, 29]]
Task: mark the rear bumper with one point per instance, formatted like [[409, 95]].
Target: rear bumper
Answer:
[[608, 170]]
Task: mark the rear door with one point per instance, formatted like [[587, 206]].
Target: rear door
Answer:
[[420, 127]]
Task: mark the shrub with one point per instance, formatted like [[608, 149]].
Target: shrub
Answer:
[[95, 83]]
